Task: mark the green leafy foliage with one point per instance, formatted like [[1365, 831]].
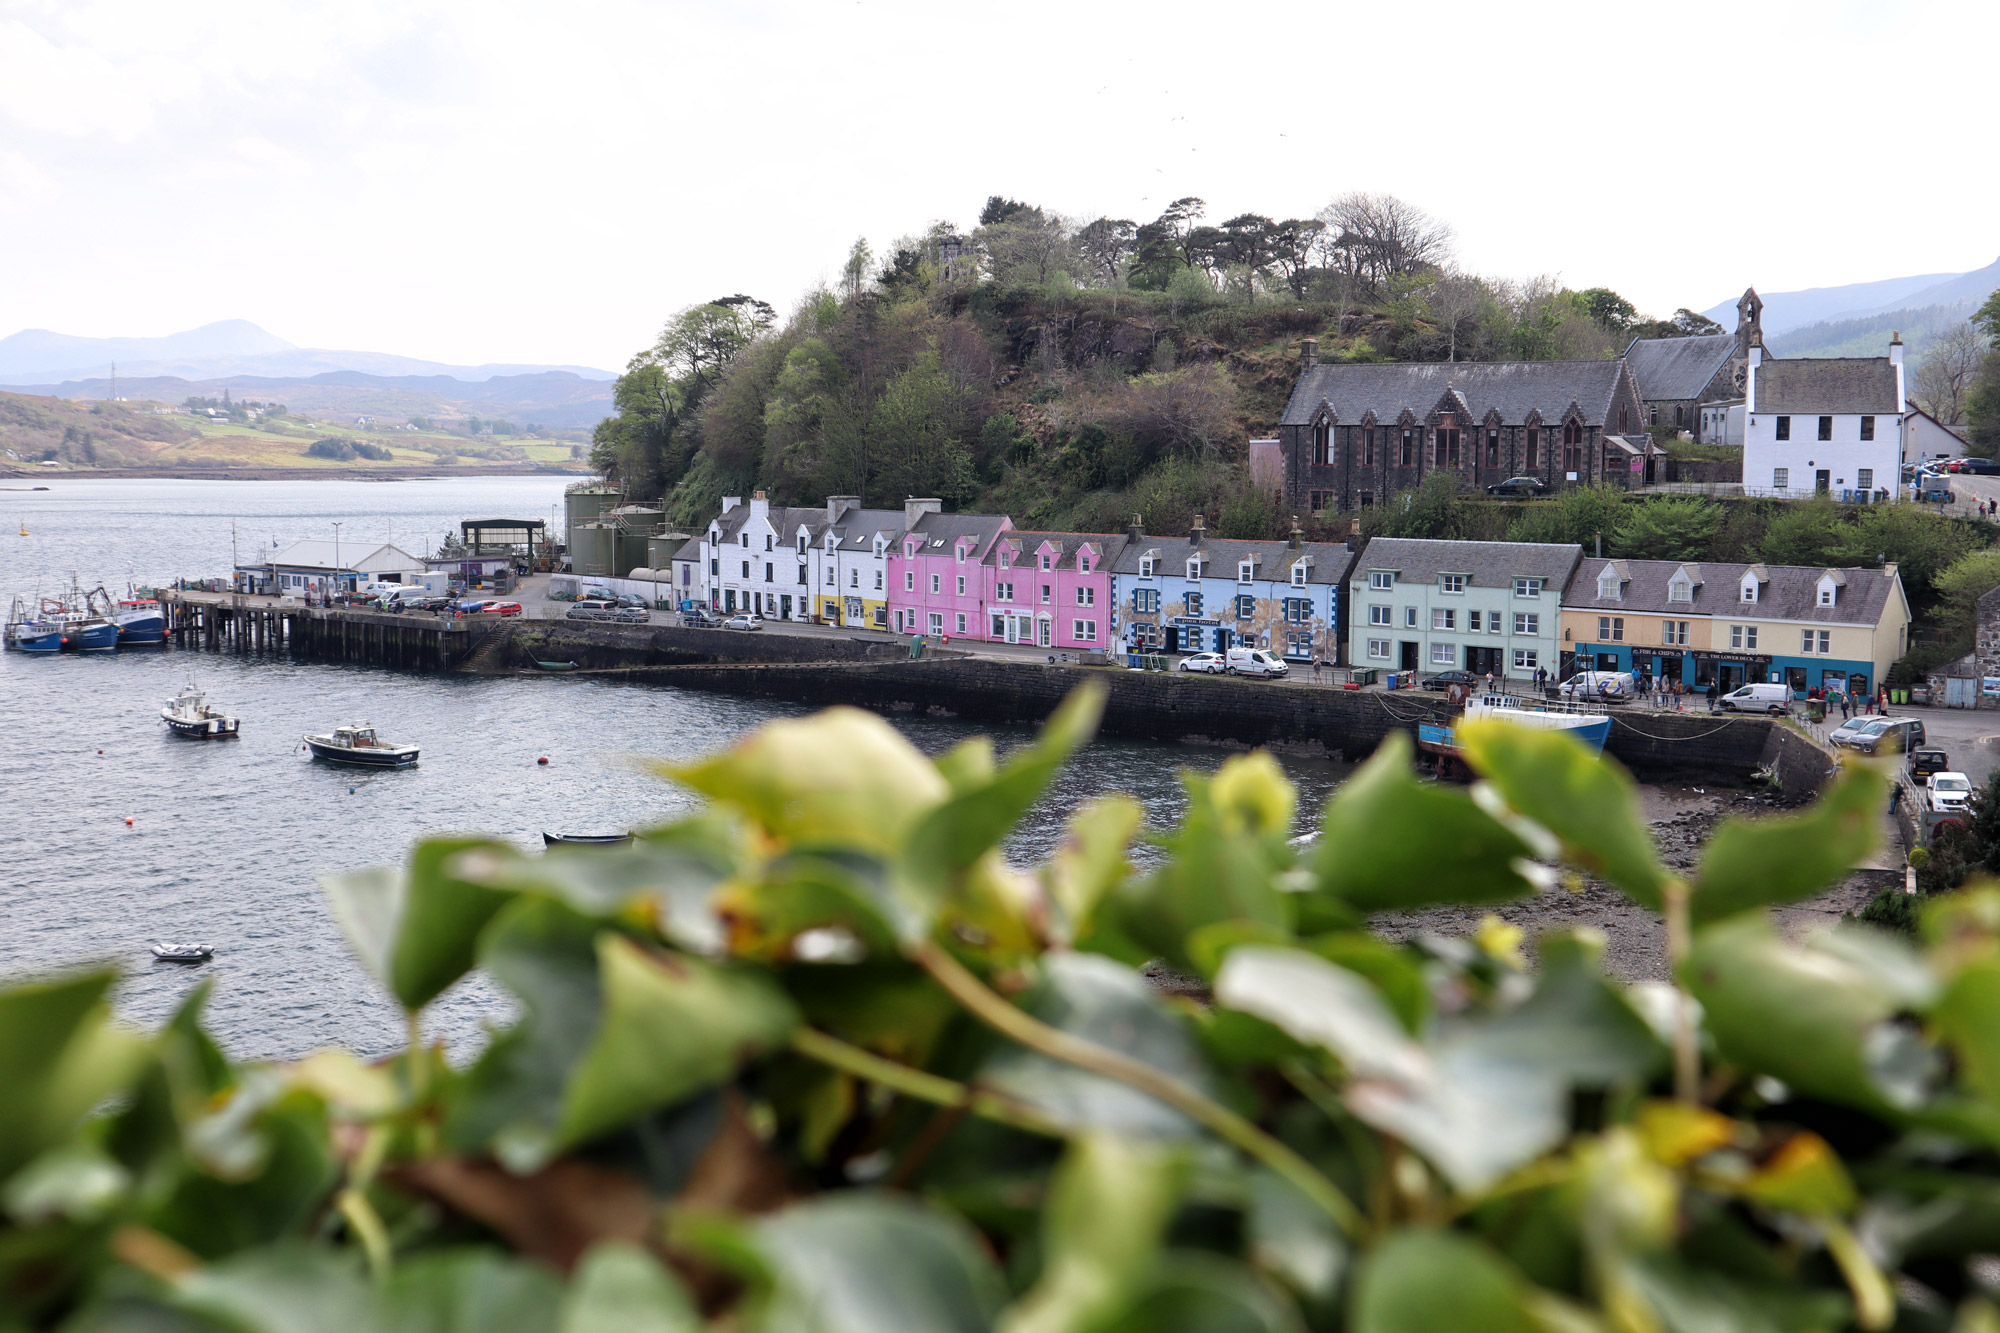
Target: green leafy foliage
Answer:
[[816, 1057]]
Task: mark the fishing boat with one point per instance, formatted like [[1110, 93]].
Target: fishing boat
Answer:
[[29, 631], [188, 714], [357, 743], [140, 621], [1585, 721], [182, 953], [86, 620], [585, 839]]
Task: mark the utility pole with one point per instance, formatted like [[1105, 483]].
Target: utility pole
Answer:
[[336, 554]]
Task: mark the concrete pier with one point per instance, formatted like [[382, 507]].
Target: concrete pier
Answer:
[[231, 622]]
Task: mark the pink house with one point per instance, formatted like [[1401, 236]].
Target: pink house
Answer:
[[936, 578], [1052, 589]]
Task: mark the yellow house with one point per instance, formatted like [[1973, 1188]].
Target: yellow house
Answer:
[[1734, 624]]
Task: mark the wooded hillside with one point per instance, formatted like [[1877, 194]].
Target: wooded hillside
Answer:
[[34, 428]]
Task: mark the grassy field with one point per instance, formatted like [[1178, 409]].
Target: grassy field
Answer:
[[282, 444]]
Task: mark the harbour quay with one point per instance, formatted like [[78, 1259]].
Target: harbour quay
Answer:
[[243, 622]]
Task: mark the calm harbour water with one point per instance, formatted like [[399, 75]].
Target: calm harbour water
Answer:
[[227, 838]]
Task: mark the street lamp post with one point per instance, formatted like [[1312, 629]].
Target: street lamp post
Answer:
[[336, 554]]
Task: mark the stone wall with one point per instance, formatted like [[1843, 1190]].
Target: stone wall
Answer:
[[597, 644], [1333, 723]]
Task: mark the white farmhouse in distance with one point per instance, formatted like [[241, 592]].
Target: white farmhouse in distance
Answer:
[[1831, 425]]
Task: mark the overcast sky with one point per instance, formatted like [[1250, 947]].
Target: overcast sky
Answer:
[[500, 181]]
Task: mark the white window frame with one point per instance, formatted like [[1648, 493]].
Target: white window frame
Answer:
[[1527, 622], [1524, 659], [909, 580], [1781, 479], [1382, 615], [1085, 631], [937, 585], [1475, 621], [1525, 587], [937, 622], [1611, 629], [960, 623], [1452, 584], [1444, 654], [1409, 617], [1381, 580], [1443, 617], [1245, 571], [1146, 567], [1298, 576], [1378, 650]]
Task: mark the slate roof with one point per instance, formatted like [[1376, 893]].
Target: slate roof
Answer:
[[1673, 368], [1789, 592], [1329, 561], [319, 553], [1512, 388], [858, 528], [942, 531], [1834, 384], [1068, 544], [1486, 564]]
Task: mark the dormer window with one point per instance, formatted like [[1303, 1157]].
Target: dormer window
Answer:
[[961, 553], [1145, 566], [1608, 587], [1083, 564], [1381, 580], [1826, 594], [1451, 583], [802, 543], [1680, 590], [1299, 575], [1245, 571], [1749, 590], [1006, 560], [1194, 569], [1047, 561]]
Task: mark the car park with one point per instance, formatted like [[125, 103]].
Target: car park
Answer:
[[1203, 662], [1926, 760], [1978, 467], [696, 617], [631, 601], [1444, 680], [743, 622], [590, 608], [1757, 698], [1883, 735], [632, 615], [1521, 488], [1252, 662]]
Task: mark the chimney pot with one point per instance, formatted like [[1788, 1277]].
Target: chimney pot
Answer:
[[1308, 353], [1196, 534]]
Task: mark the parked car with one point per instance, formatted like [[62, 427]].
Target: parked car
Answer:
[[743, 622], [1883, 735], [1950, 793], [1521, 488], [631, 601], [696, 617], [1444, 680], [587, 611], [1252, 662], [1206, 662], [1926, 760], [1980, 467], [632, 615], [1611, 686], [1758, 698]]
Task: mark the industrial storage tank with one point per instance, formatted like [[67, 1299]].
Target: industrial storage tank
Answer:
[[588, 501], [661, 550], [593, 549]]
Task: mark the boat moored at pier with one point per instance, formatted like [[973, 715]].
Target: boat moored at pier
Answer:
[[1586, 722], [140, 622], [357, 743]]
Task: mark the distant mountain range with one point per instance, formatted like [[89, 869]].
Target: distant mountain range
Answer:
[[1857, 319], [229, 348]]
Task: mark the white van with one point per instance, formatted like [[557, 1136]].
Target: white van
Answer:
[[1767, 698], [1252, 662], [1613, 686]]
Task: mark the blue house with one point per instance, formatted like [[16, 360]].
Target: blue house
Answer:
[[1198, 594]]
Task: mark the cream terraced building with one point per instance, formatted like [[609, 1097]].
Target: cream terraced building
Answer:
[[1728, 625]]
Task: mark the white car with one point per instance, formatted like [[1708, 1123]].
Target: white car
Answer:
[[743, 622], [1950, 792], [1203, 662]]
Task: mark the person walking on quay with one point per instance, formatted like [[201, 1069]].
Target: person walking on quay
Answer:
[[1316, 666], [1489, 682], [1712, 694]]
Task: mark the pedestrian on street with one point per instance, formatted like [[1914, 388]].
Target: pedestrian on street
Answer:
[[1712, 692], [1489, 682], [1316, 666]]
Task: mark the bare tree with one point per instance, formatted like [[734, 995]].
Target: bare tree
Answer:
[[1944, 373], [1376, 237], [1029, 246], [1453, 301], [854, 272]]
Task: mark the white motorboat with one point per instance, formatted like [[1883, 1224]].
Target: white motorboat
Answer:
[[182, 953], [357, 743], [1585, 721], [190, 715]]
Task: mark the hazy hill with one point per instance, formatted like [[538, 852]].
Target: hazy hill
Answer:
[[558, 399], [1868, 335], [1969, 289], [1857, 319], [97, 434], [229, 348], [1784, 311]]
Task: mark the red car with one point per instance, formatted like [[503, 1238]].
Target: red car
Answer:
[[495, 609]]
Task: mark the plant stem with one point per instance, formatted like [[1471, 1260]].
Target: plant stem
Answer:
[[1687, 1053], [925, 1087], [1036, 1035], [418, 1073], [368, 1229]]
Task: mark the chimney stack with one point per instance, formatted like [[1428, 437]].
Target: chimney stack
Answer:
[[1196, 533], [1137, 532], [838, 505], [1298, 534], [1896, 348], [914, 509], [1308, 353]]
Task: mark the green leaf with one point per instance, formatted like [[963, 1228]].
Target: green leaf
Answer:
[[77, 1182], [468, 1291], [1107, 1209], [1390, 843], [59, 1057], [868, 1263], [621, 1288], [1291, 1237], [1807, 1017], [1426, 1281], [840, 778], [672, 1026], [1091, 861], [1755, 863], [972, 820], [611, 1032], [676, 877], [280, 1289], [1586, 800], [417, 931], [1110, 1004], [1198, 1292]]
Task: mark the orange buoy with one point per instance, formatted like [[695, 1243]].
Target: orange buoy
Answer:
[[128, 819], [543, 760]]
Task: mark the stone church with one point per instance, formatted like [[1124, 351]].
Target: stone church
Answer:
[[1678, 377]]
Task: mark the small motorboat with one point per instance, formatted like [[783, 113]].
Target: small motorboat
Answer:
[[189, 714], [556, 666], [182, 953], [585, 839], [357, 743]]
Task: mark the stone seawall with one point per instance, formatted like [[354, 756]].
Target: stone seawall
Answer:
[[598, 645], [1334, 723]]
